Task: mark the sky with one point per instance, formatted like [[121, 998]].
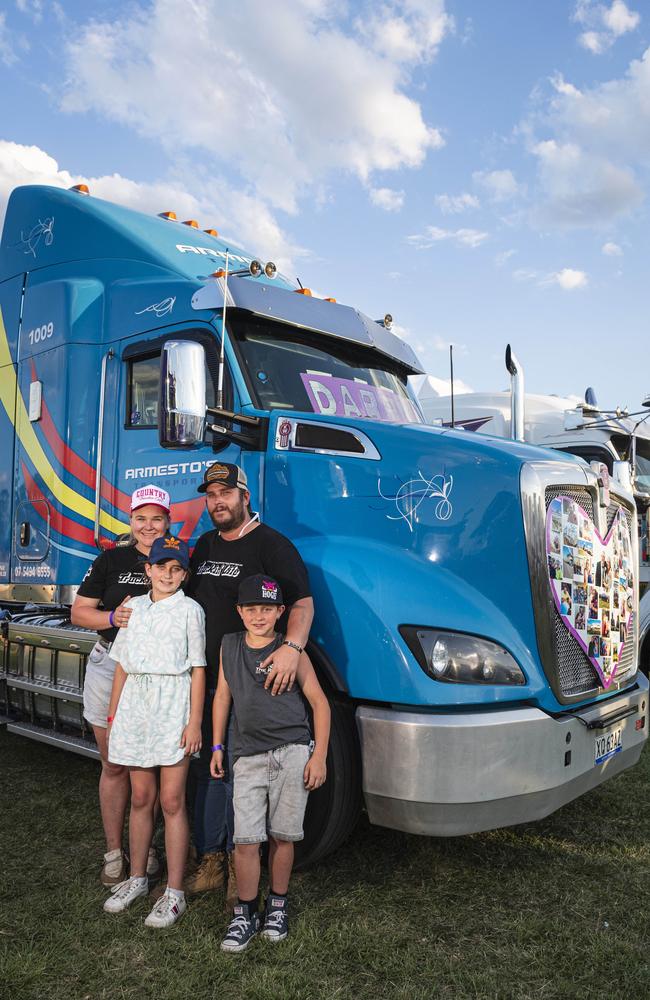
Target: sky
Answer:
[[477, 169]]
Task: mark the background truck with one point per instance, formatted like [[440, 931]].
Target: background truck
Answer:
[[615, 438], [464, 693]]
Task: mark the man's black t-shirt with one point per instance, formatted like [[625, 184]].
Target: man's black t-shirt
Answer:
[[217, 568], [114, 575]]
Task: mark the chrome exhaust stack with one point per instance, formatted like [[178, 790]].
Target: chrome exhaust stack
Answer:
[[516, 395]]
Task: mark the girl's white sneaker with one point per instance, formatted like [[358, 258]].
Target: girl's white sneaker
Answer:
[[168, 909], [125, 893]]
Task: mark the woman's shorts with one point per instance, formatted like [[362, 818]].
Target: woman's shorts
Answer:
[[272, 784], [98, 685]]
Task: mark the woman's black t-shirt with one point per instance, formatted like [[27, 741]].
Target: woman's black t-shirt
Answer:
[[114, 575]]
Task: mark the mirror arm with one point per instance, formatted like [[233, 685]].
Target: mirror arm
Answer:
[[238, 418], [250, 440]]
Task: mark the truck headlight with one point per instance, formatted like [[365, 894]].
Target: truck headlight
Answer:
[[462, 659]]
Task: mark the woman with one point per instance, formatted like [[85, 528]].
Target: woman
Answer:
[[115, 576]]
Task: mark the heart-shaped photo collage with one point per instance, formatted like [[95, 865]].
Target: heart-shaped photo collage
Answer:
[[592, 582]]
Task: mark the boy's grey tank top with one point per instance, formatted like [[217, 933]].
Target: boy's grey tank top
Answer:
[[261, 721]]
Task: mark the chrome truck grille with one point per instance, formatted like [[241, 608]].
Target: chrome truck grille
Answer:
[[41, 679], [567, 667]]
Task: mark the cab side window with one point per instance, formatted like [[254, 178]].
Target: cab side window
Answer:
[[142, 391]]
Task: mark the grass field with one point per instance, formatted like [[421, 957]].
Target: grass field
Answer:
[[558, 909]]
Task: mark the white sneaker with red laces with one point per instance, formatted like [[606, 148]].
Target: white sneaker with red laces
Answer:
[[168, 909]]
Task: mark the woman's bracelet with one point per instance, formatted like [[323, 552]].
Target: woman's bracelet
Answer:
[[217, 746], [109, 718], [111, 619]]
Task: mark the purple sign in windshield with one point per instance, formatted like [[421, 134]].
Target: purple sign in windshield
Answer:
[[344, 397]]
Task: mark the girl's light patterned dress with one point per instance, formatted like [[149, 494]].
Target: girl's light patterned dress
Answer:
[[163, 642]]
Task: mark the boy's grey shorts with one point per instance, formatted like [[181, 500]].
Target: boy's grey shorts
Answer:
[[273, 783]]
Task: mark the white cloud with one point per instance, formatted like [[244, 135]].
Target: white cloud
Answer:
[[612, 250], [605, 24], [503, 257], [525, 274], [439, 343], [451, 204], [568, 279], [7, 43], [284, 93], [434, 234], [218, 206], [33, 8], [386, 198], [500, 185], [406, 31]]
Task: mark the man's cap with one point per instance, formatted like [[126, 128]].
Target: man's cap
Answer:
[[259, 589], [145, 495], [169, 547], [226, 473]]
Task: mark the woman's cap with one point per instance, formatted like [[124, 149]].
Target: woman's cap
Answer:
[[145, 495], [225, 473], [259, 589], [169, 547]]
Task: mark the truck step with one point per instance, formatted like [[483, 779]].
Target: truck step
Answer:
[[61, 740]]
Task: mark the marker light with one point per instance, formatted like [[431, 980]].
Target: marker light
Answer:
[[255, 268], [270, 270], [302, 291], [167, 215], [80, 188], [191, 222], [388, 321], [329, 299], [211, 232], [218, 274]]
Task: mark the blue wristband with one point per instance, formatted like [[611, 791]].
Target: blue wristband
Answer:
[[217, 746], [111, 620]]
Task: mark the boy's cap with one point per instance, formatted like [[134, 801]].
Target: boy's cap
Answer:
[[145, 495], [169, 547], [259, 589], [224, 472]]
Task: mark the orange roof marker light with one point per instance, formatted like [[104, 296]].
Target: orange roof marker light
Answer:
[[302, 291], [328, 298], [211, 232], [218, 274], [168, 215], [80, 188], [191, 222]]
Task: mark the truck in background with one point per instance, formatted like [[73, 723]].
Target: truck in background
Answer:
[[615, 438], [465, 692]]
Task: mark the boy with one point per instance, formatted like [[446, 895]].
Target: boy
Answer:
[[274, 767]]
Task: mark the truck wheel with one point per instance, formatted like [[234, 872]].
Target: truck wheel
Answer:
[[332, 811]]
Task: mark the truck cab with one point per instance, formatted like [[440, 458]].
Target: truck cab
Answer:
[[465, 692]]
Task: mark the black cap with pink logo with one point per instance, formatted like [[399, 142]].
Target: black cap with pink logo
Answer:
[[259, 589]]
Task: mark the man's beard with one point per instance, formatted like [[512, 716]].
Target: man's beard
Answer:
[[235, 520]]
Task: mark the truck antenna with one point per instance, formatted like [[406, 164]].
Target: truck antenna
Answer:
[[451, 381], [222, 354]]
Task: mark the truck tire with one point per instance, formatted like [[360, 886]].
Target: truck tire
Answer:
[[332, 811]]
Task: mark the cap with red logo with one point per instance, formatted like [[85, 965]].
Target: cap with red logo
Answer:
[[146, 495]]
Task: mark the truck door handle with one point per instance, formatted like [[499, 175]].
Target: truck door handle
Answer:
[[25, 533]]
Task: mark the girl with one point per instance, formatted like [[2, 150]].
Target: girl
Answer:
[[154, 721], [101, 604]]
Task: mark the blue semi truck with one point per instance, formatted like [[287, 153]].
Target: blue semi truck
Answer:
[[476, 599]]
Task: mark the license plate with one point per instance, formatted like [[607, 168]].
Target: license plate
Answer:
[[608, 745]]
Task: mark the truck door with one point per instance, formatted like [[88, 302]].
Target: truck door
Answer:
[[131, 451], [10, 299]]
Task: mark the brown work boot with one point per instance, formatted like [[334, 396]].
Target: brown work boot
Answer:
[[114, 869], [208, 875], [231, 889]]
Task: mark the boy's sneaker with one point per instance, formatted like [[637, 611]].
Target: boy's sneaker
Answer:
[[242, 929], [276, 919], [125, 893], [170, 907], [114, 869]]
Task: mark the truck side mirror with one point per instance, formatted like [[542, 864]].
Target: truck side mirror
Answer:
[[181, 422]]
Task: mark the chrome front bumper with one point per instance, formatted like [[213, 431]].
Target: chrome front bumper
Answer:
[[448, 774]]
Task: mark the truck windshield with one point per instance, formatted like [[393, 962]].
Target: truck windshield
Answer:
[[292, 369]]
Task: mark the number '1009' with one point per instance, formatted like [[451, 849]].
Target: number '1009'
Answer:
[[41, 333]]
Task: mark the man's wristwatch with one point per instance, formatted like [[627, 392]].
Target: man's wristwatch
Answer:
[[294, 645]]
